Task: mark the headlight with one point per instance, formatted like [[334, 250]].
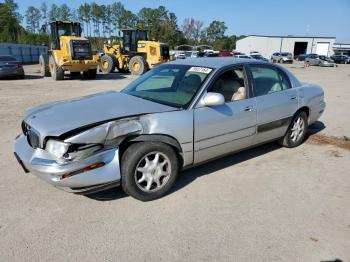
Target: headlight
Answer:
[[56, 148]]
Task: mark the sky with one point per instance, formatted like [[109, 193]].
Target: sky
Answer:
[[249, 17]]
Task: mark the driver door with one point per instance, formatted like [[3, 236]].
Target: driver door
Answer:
[[222, 129]]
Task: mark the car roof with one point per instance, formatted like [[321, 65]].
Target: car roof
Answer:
[[213, 62]]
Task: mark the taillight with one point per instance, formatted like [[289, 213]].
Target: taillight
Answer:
[[19, 66]]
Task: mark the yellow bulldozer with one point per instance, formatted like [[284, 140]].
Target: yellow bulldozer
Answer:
[[69, 52], [135, 54]]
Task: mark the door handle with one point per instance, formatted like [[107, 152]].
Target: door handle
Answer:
[[293, 98], [248, 109]]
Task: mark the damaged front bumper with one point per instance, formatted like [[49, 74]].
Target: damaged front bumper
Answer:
[[94, 173]]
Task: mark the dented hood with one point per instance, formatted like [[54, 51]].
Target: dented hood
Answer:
[[58, 118]]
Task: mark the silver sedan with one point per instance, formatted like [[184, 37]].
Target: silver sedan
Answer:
[[176, 116]]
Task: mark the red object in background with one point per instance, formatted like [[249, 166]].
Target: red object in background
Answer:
[[225, 54]]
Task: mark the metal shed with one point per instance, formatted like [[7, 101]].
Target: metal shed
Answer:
[[267, 45], [27, 54]]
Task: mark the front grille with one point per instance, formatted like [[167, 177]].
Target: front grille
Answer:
[[81, 50], [33, 137]]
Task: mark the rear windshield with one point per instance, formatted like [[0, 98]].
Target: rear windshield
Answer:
[[285, 54], [7, 58]]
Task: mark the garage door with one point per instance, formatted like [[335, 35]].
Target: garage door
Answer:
[[322, 48]]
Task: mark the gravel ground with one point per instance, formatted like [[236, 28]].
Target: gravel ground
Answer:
[[264, 204]]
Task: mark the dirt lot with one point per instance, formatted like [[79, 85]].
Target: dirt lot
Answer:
[[265, 204]]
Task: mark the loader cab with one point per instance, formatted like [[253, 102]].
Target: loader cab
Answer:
[[61, 28], [130, 39]]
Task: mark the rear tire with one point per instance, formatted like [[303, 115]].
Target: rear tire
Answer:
[[107, 64], [143, 175], [44, 65], [137, 65], [296, 131], [56, 71]]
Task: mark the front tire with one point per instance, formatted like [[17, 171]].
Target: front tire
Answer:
[[107, 64], [137, 65], [296, 131], [56, 71], [44, 65], [148, 170]]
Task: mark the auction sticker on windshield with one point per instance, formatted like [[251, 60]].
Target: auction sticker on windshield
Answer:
[[204, 70]]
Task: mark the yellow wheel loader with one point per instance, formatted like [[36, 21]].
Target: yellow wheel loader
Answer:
[[69, 52], [136, 53]]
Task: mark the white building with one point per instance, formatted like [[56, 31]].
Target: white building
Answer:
[[341, 49], [267, 45]]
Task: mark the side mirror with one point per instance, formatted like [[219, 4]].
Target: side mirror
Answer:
[[213, 99]]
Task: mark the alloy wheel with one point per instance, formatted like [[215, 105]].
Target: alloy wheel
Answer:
[[297, 130], [152, 172]]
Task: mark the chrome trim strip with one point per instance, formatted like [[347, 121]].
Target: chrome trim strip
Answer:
[[211, 137], [223, 143]]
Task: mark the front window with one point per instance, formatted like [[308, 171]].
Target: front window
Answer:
[[67, 29], [231, 85], [172, 85], [141, 35]]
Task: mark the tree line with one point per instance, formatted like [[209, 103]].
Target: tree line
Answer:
[[106, 21]]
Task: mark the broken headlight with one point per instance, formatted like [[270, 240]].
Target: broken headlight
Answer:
[[56, 148]]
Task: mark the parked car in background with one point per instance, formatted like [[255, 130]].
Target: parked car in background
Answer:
[[283, 57], [179, 55], [225, 54], [183, 113], [211, 54], [10, 67], [341, 59], [243, 56], [317, 60], [259, 57], [237, 53], [302, 57]]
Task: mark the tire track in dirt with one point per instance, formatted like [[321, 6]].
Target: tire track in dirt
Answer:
[[320, 139]]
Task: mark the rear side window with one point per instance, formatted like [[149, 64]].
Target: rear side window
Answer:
[[267, 80]]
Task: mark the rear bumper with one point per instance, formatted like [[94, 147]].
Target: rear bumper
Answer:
[[44, 166], [327, 65], [316, 112], [7, 73]]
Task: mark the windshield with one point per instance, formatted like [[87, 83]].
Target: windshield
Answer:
[[68, 29], [286, 54], [141, 35], [7, 58], [172, 85]]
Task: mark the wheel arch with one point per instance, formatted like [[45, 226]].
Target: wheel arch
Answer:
[[305, 109], [166, 139]]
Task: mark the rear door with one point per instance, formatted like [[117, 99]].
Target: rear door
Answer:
[[226, 128], [276, 101]]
